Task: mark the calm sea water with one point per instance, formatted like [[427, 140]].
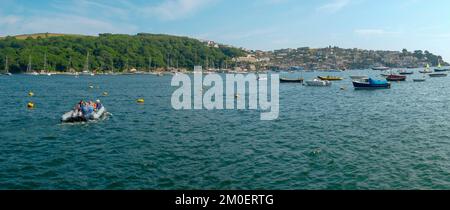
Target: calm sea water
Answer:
[[325, 138]]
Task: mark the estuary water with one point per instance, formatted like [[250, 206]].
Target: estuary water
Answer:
[[325, 138]]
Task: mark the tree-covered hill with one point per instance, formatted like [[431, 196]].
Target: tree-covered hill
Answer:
[[110, 52]]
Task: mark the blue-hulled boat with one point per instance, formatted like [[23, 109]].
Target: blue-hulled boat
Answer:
[[371, 84]]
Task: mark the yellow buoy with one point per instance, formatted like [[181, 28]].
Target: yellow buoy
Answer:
[[30, 105], [30, 94], [140, 101]]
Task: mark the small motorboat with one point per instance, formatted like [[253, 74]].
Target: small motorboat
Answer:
[[330, 78], [359, 77], [318, 83], [438, 75], [372, 84], [287, 80], [78, 116], [425, 71], [395, 78], [32, 73], [380, 68], [419, 80], [403, 72]]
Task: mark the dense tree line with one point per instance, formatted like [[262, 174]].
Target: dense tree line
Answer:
[[111, 52]]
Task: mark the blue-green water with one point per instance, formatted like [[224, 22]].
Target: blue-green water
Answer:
[[325, 138]]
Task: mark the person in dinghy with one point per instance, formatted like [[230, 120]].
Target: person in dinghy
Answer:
[[85, 111]]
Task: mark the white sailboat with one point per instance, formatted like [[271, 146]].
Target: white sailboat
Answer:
[[7, 67], [86, 66], [427, 70], [112, 67], [72, 70], [30, 68], [45, 71], [440, 69]]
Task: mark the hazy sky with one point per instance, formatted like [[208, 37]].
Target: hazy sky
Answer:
[[254, 24]]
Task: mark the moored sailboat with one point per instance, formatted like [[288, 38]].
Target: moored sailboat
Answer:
[[440, 69], [426, 70], [6, 72], [30, 68]]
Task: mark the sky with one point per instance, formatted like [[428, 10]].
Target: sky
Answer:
[[252, 24]]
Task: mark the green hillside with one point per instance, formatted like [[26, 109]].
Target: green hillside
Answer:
[[109, 51]]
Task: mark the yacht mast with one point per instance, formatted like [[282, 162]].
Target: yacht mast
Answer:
[[70, 64], [112, 65], [45, 62], [6, 65], [168, 61], [29, 64], [149, 63], [86, 65]]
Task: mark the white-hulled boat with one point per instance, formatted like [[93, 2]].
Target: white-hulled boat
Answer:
[[318, 83], [359, 77], [7, 67], [78, 116], [380, 68]]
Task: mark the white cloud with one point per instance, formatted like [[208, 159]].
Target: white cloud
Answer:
[[74, 17], [9, 20], [70, 24], [74, 25], [116, 9], [334, 6]]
